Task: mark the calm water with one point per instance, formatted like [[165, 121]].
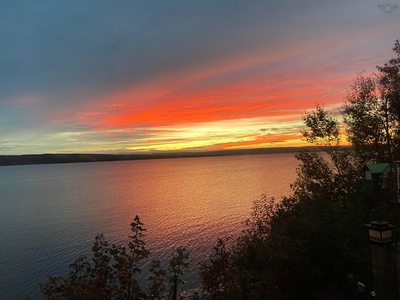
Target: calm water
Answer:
[[49, 214]]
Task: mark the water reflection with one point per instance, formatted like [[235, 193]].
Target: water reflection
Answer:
[[51, 213]]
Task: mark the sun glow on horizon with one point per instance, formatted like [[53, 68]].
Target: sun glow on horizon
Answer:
[[192, 79]]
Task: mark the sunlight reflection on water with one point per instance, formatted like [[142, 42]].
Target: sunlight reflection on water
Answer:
[[49, 214]]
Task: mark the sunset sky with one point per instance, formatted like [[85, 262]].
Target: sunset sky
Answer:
[[160, 75]]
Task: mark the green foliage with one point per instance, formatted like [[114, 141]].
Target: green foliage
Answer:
[[323, 128], [291, 249], [178, 266], [372, 113], [157, 280], [112, 272], [217, 272]]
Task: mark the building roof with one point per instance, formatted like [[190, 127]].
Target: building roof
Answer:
[[377, 168]]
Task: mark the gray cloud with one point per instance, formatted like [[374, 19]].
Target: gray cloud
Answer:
[[55, 46]]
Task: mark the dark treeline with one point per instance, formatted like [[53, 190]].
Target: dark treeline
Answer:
[[29, 159]]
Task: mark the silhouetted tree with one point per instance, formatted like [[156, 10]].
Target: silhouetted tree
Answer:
[[157, 278], [178, 266], [112, 272], [217, 271], [372, 113], [313, 240]]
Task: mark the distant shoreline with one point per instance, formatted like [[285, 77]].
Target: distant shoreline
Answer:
[[33, 159]]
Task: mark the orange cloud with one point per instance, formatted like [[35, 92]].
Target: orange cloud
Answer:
[[272, 87], [252, 98], [261, 142]]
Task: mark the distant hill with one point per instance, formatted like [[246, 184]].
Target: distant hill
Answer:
[[28, 159]]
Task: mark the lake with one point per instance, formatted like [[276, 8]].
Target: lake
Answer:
[[49, 214]]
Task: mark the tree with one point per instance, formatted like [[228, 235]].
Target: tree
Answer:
[[372, 113], [178, 266], [157, 280], [111, 272], [313, 240], [334, 175], [217, 271], [323, 128]]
